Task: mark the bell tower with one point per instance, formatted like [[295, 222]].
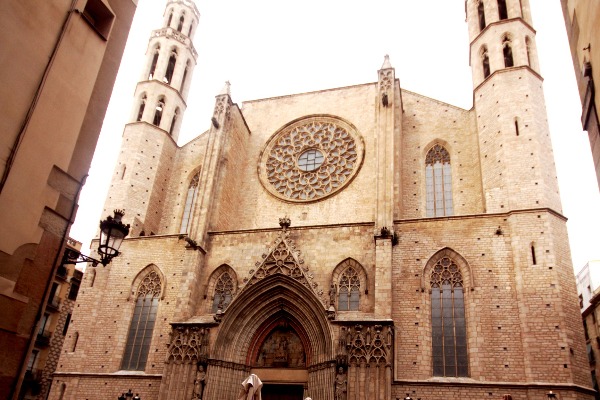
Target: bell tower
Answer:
[[150, 138], [517, 163]]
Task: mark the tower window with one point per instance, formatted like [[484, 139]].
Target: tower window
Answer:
[[154, 62], [502, 11], [517, 126], [438, 177], [170, 19], [173, 121], [223, 292], [142, 323], [481, 15], [190, 30], [190, 200], [181, 20], [141, 109], [448, 326], [171, 67], [485, 62], [507, 51], [528, 49], [533, 259], [158, 112], [185, 73]]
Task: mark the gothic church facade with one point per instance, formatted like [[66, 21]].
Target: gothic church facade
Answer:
[[363, 242]]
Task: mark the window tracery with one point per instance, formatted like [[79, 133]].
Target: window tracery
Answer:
[[349, 290], [336, 153], [223, 294], [438, 181], [190, 200], [448, 326], [142, 322]]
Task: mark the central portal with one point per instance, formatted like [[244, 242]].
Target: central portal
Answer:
[[282, 392]]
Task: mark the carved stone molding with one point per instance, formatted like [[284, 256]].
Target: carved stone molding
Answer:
[[188, 345], [180, 37], [365, 344]]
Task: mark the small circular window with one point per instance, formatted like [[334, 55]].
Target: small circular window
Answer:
[[310, 160]]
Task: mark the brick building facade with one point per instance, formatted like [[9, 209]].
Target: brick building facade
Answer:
[[351, 243]]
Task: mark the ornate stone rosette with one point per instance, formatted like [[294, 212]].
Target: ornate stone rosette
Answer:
[[311, 159]]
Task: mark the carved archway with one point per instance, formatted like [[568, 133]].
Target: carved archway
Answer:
[[276, 303]]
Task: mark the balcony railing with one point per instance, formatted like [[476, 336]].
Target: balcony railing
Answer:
[[62, 272], [43, 338], [54, 304]]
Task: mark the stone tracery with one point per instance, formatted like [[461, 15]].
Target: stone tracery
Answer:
[[336, 142]]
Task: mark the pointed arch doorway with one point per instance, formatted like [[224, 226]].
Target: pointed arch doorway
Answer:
[[278, 329]]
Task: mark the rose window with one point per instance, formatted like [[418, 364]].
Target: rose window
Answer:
[[311, 159]]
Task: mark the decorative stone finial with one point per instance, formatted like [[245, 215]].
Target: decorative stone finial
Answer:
[[386, 62], [226, 89], [285, 222]]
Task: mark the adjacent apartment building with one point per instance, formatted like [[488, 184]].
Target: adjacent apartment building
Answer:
[[588, 288], [583, 30], [58, 64]]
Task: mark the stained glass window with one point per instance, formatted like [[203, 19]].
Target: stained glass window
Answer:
[[223, 292], [438, 177], [142, 323], [349, 290], [190, 199], [448, 326]]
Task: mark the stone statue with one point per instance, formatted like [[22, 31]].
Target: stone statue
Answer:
[[341, 385], [199, 383]]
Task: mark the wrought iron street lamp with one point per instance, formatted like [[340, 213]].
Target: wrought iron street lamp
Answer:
[[129, 396], [551, 395], [112, 233]]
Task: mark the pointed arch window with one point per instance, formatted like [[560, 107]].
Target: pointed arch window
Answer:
[[223, 292], [181, 20], [485, 62], [502, 11], [438, 177], [170, 19], [140, 332], [171, 67], [154, 62], [481, 15], [190, 30], [173, 122], [141, 108], [190, 200], [528, 49], [349, 290], [185, 73], [158, 111], [507, 52], [448, 326]]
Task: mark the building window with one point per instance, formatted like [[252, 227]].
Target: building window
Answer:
[[171, 66], [73, 291], [142, 323], [181, 20], [173, 121], [66, 326], [141, 109], [170, 19], [528, 48], [507, 51], [185, 73], [502, 11], [223, 292], [481, 15], [154, 62], [158, 111], [485, 62], [438, 176], [448, 327], [190, 200], [190, 30], [32, 360], [74, 343], [349, 290]]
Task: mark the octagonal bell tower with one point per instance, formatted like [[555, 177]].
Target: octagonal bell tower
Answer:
[[517, 163], [149, 139]]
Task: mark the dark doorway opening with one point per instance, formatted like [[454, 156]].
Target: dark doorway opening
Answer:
[[282, 392]]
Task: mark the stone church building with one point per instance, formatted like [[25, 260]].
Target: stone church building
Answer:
[[362, 242]]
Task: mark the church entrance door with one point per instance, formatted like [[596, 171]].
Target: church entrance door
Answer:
[[282, 392]]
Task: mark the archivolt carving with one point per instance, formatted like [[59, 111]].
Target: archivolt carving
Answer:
[[365, 345], [336, 146], [386, 78], [188, 345], [151, 285]]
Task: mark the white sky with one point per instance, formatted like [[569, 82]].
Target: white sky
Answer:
[[268, 48]]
